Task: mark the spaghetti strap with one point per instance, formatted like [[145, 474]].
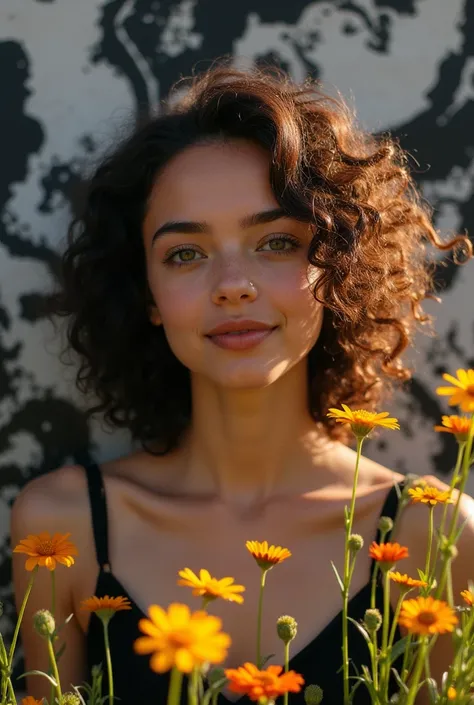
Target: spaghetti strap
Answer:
[[389, 509], [98, 505]]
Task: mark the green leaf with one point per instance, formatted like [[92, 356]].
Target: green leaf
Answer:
[[39, 673], [400, 647], [432, 690], [341, 584], [212, 689], [265, 659], [402, 685], [362, 630]]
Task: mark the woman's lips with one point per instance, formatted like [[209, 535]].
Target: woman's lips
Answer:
[[240, 340]]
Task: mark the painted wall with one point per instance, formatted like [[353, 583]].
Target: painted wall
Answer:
[[71, 75]]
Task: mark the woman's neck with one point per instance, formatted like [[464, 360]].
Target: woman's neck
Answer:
[[248, 445]]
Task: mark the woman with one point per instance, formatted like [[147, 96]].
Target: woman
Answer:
[[243, 262]]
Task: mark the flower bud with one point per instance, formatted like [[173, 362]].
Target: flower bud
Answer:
[[372, 620], [287, 628], [450, 551], [313, 695], [70, 699], [385, 524], [215, 675], [356, 542], [43, 622]]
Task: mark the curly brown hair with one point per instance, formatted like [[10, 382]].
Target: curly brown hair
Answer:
[[370, 233]]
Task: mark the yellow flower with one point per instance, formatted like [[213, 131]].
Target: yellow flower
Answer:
[[265, 555], [181, 639], [429, 495], [46, 550], [263, 686], [361, 421], [106, 607], [451, 693], [29, 700], [406, 581], [457, 425], [210, 588], [426, 616], [462, 394], [468, 597]]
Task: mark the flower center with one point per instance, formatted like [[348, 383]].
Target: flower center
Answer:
[[180, 639], [46, 548], [427, 618], [470, 389]]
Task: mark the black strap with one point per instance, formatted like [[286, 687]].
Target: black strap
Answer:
[[98, 504], [389, 509]]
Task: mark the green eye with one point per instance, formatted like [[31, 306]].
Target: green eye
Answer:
[[281, 244]]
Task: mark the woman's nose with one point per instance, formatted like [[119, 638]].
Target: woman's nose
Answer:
[[234, 289]]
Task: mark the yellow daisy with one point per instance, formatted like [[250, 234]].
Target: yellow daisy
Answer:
[[429, 495], [468, 597], [462, 394], [405, 581], [457, 425], [362, 422], [265, 555], [427, 616], [181, 639], [46, 550], [210, 588], [106, 607]]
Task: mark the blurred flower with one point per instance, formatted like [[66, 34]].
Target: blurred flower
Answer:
[[265, 555], [264, 685], [406, 581], [386, 554], [29, 700], [430, 495], [468, 597], [462, 394], [385, 524], [457, 425], [106, 607], [46, 550], [180, 638], [70, 699], [361, 421], [426, 616], [451, 693], [209, 587]]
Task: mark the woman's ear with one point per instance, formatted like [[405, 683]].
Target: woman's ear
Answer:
[[154, 316]]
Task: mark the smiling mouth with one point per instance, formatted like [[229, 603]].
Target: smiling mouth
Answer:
[[244, 339]]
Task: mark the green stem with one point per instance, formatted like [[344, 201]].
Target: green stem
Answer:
[[395, 619], [453, 483], [192, 688], [109, 660], [174, 692], [430, 542], [53, 593], [20, 617], [416, 674], [54, 668], [287, 666], [259, 619], [4, 672], [347, 576], [385, 626]]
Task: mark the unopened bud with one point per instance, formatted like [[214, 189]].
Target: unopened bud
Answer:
[[372, 620], [287, 628], [43, 622], [215, 675], [385, 524], [313, 695], [356, 542], [70, 699], [449, 550]]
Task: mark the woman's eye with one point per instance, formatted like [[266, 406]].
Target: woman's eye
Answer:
[[184, 255], [282, 244]]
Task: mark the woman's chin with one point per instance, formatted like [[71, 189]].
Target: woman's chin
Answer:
[[249, 377]]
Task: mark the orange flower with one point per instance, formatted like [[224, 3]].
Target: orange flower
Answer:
[[457, 425], [106, 607], [361, 421], [181, 639], [210, 588], [406, 581], [426, 616], [429, 495], [46, 550], [262, 686], [387, 553], [462, 394], [29, 700], [468, 597], [265, 555]]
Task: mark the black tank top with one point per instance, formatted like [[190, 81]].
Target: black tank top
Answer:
[[135, 683]]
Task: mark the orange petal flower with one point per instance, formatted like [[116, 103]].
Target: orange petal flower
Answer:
[[429, 495], [265, 685], [387, 553], [468, 597], [181, 639], [29, 700], [211, 588], [462, 394], [457, 425], [361, 421], [426, 616], [46, 550], [106, 607], [405, 580], [265, 555]]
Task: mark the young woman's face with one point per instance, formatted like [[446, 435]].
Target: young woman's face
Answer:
[[220, 255]]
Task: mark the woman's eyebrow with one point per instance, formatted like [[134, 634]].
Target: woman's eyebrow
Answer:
[[191, 227]]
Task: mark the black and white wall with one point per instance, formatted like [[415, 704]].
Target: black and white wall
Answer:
[[73, 72]]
